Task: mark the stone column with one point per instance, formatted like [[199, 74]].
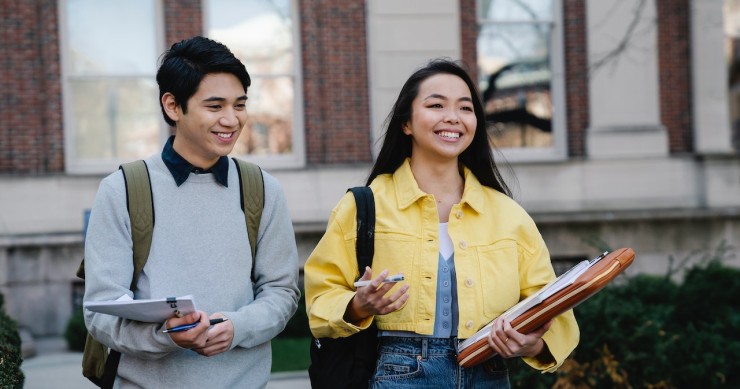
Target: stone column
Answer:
[[624, 89]]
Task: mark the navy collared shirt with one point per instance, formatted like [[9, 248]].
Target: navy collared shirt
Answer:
[[181, 168]]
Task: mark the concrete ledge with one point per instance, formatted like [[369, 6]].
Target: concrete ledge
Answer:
[[635, 215]]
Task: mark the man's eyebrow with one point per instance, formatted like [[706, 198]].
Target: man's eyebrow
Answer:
[[220, 99]]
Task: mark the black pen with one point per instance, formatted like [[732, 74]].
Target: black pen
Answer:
[[186, 327]]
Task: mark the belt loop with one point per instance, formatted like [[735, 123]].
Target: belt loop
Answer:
[[424, 347]]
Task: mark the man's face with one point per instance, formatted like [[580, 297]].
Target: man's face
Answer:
[[215, 118]]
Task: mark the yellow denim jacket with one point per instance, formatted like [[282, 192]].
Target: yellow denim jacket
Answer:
[[500, 258]]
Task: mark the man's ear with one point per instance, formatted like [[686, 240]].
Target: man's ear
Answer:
[[170, 106]]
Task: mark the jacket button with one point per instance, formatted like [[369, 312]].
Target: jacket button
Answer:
[[469, 282], [458, 214], [463, 244], [469, 324]]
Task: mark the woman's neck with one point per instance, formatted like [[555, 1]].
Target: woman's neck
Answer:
[[443, 181]]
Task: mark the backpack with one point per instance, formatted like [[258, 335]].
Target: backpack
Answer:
[[98, 364], [349, 362]]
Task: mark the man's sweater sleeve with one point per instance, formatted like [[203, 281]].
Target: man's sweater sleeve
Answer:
[[275, 272], [108, 273]]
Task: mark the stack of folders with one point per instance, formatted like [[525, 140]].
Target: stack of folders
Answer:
[[565, 292]]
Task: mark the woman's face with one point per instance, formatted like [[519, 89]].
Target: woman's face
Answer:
[[443, 121]]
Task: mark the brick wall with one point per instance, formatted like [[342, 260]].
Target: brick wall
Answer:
[[335, 93], [31, 140], [674, 68], [469, 36], [335, 89], [183, 19], [576, 75]]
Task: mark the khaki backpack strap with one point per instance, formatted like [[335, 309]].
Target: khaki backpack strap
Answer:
[[252, 187], [141, 212]]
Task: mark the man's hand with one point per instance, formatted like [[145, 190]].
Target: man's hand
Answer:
[[194, 337], [219, 338]]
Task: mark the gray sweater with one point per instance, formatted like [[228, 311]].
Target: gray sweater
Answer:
[[199, 247]]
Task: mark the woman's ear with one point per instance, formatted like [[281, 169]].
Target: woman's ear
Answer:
[[170, 106], [406, 129]]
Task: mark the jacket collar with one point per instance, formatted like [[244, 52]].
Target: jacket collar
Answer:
[[408, 191]]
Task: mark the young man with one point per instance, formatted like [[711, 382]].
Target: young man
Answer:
[[200, 244]]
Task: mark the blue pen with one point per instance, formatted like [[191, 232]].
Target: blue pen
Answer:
[[186, 327]]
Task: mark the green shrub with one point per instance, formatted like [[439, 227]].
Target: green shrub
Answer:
[[76, 332], [11, 375]]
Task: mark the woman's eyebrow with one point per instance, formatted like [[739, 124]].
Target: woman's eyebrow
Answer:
[[443, 97]]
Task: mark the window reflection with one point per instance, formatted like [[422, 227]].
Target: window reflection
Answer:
[[514, 60], [260, 33], [112, 111]]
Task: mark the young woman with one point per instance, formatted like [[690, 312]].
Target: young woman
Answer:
[[445, 219]]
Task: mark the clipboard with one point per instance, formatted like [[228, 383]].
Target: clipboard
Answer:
[[145, 310], [599, 272]]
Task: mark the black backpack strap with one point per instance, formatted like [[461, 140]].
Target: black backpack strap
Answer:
[[252, 189], [365, 247]]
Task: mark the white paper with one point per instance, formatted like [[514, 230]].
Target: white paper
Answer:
[[146, 310]]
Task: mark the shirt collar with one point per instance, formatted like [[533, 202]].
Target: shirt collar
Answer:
[[408, 191], [180, 168]]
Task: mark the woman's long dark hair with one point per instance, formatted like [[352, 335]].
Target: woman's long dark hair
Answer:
[[478, 157]]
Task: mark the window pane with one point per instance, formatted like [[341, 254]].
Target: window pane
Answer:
[[260, 33], [269, 118], [515, 77], [115, 118], [111, 97], [102, 38], [516, 10]]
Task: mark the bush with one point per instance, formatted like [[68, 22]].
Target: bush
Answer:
[[652, 333], [11, 375], [76, 333]]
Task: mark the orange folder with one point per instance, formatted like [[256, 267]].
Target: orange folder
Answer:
[[567, 291]]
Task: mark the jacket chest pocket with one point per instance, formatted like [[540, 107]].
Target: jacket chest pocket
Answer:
[[499, 272], [395, 252]]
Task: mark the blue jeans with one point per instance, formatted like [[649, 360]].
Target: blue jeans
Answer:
[[408, 362]]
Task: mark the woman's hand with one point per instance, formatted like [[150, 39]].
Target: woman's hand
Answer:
[[372, 300], [509, 343]]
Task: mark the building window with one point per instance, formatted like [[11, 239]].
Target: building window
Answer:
[[263, 34], [111, 108], [521, 76]]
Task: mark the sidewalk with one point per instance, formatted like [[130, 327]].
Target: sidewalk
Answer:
[[55, 367]]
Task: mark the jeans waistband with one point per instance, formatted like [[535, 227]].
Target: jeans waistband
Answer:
[[424, 347], [418, 345]]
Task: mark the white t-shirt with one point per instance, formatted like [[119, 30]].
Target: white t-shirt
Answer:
[[445, 242]]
